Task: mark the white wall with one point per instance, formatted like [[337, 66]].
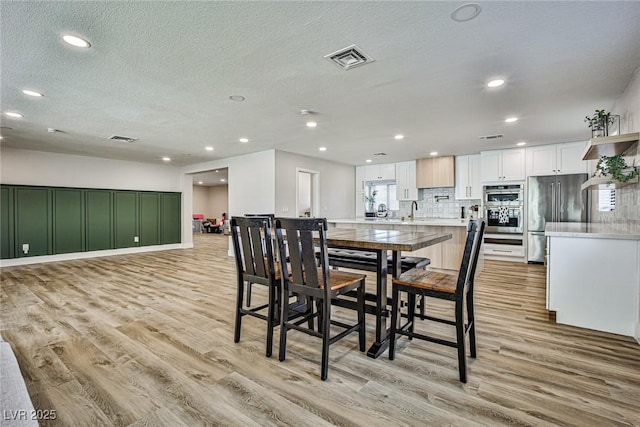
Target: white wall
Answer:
[[337, 198], [28, 167], [201, 201], [218, 201], [304, 193]]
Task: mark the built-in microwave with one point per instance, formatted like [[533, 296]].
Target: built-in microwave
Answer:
[[504, 195]]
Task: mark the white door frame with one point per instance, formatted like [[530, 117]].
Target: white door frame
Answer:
[[315, 190]]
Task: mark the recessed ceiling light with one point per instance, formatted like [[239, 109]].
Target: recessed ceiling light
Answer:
[[434, 153], [223, 180], [200, 182], [237, 98], [520, 144], [312, 124], [76, 41], [368, 160], [466, 12], [166, 159], [243, 140], [399, 136], [14, 115], [32, 93], [208, 148], [510, 119], [322, 148], [495, 83]]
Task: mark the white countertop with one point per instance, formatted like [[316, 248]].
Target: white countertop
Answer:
[[436, 222], [592, 230]]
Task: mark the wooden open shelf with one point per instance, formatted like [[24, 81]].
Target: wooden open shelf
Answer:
[[603, 182], [609, 145]]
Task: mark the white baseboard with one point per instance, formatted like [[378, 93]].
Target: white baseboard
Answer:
[[91, 254], [638, 332]]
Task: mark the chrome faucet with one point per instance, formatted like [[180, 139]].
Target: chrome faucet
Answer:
[[413, 203]]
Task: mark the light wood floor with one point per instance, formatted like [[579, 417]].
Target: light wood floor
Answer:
[[147, 339]]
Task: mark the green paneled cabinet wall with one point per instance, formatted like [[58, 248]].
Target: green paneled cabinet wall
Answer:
[[51, 220]]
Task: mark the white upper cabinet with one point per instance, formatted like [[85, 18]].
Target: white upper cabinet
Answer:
[[556, 159], [406, 188], [468, 180], [360, 201], [383, 172], [503, 165]]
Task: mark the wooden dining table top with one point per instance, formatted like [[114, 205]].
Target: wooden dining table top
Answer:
[[395, 240]]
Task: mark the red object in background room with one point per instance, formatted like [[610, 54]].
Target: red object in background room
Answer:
[[198, 216]]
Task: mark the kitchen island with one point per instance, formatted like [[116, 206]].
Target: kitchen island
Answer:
[[593, 276], [446, 255]]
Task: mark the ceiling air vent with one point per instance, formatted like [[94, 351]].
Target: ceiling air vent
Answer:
[[349, 57], [496, 136], [122, 138]]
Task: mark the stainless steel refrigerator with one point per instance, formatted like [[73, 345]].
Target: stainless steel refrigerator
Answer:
[[555, 198]]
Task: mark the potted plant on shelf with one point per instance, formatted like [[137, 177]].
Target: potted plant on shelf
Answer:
[[615, 168], [599, 123]]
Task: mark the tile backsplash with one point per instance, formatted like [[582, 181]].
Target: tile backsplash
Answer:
[[438, 203]]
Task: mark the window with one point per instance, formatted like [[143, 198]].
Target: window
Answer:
[[386, 193]]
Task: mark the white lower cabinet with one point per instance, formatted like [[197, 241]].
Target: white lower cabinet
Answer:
[[595, 283]]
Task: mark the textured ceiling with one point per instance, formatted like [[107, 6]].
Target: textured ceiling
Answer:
[[163, 72]]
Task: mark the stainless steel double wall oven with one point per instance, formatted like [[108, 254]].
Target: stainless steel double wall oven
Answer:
[[504, 208]]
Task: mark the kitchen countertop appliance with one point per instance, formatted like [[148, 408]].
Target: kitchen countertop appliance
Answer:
[[382, 211], [555, 198]]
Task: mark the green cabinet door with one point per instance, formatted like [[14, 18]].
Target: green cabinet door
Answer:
[[99, 220], [68, 220], [32, 221], [149, 219], [170, 211], [125, 208], [6, 223]]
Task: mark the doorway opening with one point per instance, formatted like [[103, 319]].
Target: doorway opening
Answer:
[[307, 193], [210, 204]]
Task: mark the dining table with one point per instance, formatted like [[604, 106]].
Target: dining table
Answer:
[[381, 242]]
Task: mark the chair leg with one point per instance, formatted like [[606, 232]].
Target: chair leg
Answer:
[[423, 305], [326, 329], [361, 317], [239, 299], [462, 362], [411, 313], [284, 318], [248, 294], [472, 322], [271, 319], [394, 322]]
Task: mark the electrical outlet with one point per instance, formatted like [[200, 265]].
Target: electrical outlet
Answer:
[[136, 239], [285, 209], [25, 248]]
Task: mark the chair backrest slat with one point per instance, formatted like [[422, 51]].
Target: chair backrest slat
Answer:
[[303, 235], [469, 255], [253, 246]]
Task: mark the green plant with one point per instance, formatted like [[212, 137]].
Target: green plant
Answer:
[[599, 120], [372, 198], [616, 168]]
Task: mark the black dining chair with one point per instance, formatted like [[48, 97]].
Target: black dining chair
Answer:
[[255, 263], [457, 288], [272, 218], [302, 276]]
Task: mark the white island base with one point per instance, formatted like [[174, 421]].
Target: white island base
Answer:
[[593, 277]]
